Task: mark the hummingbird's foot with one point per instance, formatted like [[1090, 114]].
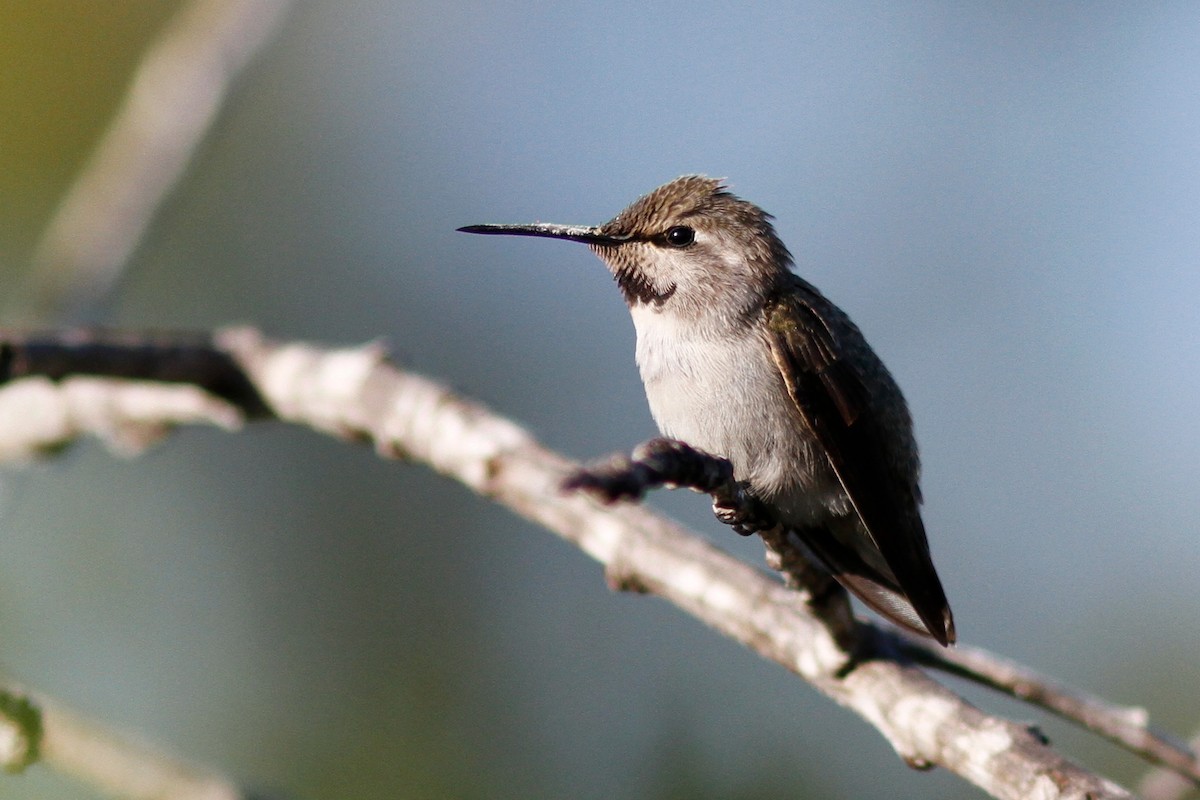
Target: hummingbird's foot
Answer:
[[653, 464]]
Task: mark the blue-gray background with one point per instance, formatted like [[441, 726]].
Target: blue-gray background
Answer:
[[1006, 197]]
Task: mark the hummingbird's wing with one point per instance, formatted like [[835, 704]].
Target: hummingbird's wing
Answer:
[[890, 569]]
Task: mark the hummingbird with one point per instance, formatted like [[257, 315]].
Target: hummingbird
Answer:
[[744, 359]]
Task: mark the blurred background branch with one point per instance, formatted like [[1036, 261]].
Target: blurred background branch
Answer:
[[174, 97], [93, 753]]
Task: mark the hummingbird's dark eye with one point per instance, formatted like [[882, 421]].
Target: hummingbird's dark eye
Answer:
[[679, 236]]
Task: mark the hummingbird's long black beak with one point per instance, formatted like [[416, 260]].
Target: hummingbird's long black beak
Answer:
[[574, 233]]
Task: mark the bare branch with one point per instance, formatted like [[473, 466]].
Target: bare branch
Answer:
[[173, 99], [356, 393]]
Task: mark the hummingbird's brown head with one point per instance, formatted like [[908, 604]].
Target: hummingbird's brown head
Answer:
[[694, 238]]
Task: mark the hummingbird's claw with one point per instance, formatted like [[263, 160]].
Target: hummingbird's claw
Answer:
[[743, 512]]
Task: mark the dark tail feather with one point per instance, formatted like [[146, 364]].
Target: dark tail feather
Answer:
[[880, 592]]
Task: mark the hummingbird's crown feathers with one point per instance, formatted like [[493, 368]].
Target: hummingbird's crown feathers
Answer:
[[683, 197], [692, 200]]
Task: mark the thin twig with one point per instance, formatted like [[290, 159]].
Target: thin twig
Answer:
[[1162, 783], [174, 97], [1124, 725]]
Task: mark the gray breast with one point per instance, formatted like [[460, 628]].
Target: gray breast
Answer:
[[722, 392]]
